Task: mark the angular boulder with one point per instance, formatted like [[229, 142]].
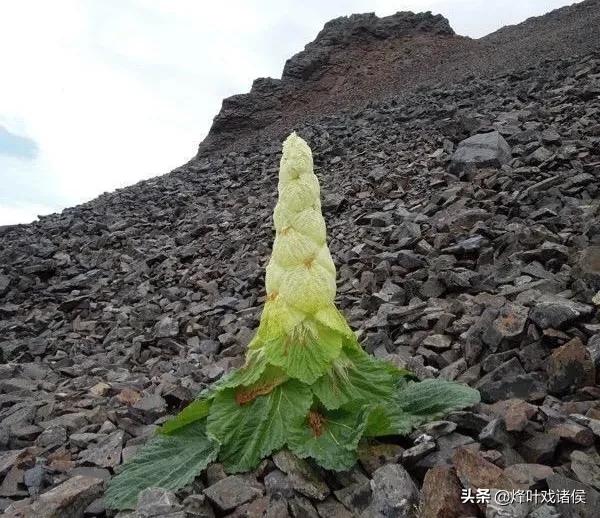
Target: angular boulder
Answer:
[[481, 150]]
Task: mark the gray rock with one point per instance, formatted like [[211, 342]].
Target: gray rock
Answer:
[[522, 386], [233, 491], [558, 312], [374, 455], [539, 449], [481, 150], [156, 502], [593, 347], [586, 468], [91, 471], [83, 440], [303, 477], [355, 495], [53, 436], [589, 264], [545, 511], [331, 508], [4, 283], [394, 494], [35, 477], [438, 342], [67, 500], [514, 509], [71, 422], [592, 424], [166, 327], [541, 154], [589, 509], [569, 367], [508, 325], [301, 507], [494, 435], [550, 136], [278, 483], [528, 475], [419, 451], [198, 507], [107, 453]]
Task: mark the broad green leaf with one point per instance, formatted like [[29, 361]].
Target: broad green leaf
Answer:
[[433, 398], [249, 373], [307, 353], [195, 411], [331, 317], [355, 376], [330, 437], [249, 432], [386, 418], [417, 403], [167, 461]]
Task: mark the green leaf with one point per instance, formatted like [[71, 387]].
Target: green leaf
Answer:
[[417, 403], [307, 353], [433, 398], [330, 437], [167, 461], [331, 317], [195, 411], [356, 377], [254, 369], [386, 418], [251, 431], [250, 372]]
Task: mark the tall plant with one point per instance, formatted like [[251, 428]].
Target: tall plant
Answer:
[[306, 385]]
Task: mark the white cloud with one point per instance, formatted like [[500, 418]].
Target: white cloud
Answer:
[[24, 213], [120, 90]]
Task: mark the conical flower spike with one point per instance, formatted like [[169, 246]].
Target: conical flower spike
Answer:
[[301, 330], [301, 263], [306, 385]]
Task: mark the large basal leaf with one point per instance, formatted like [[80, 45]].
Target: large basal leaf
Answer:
[[249, 373], [330, 437], [433, 398], [386, 418], [307, 353], [417, 403], [254, 369], [167, 461], [195, 411], [356, 376], [250, 431]]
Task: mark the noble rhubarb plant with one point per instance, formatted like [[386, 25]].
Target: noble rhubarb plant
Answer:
[[306, 385]]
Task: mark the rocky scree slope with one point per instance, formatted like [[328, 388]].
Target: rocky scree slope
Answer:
[[361, 58], [465, 224]]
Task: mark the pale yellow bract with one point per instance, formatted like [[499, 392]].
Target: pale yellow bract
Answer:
[[301, 273], [300, 276]]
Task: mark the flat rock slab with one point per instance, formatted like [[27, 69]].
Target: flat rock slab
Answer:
[[303, 477], [233, 491], [68, 500], [440, 495], [107, 453]]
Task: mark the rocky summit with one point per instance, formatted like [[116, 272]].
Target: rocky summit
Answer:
[[461, 188]]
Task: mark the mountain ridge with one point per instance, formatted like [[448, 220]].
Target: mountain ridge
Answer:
[[363, 57]]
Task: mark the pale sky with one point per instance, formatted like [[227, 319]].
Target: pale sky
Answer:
[[97, 95]]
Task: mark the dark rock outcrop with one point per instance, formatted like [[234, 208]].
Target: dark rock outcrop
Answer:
[[361, 58]]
